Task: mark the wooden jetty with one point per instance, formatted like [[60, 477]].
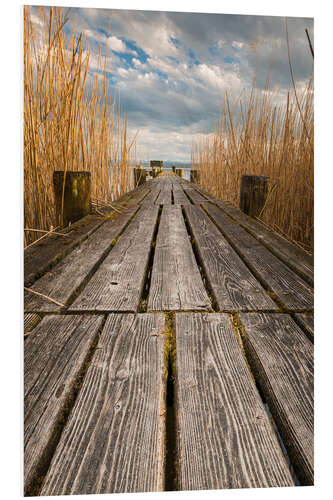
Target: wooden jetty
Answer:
[[168, 346]]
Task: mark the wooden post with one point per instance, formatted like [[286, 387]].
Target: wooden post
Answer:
[[140, 176], [157, 163], [76, 195], [253, 194], [195, 176]]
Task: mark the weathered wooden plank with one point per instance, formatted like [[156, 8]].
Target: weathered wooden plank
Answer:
[[179, 197], [164, 180], [42, 256], [118, 283], [53, 357], [194, 195], [114, 439], [176, 283], [233, 285], [292, 255], [306, 320], [152, 196], [288, 287], [282, 359], [30, 321], [64, 280], [45, 254], [164, 198], [138, 195], [225, 439]]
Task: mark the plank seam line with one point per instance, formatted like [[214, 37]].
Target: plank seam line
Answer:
[[259, 278], [60, 256], [202, 193], [185, 192], [154, 200], [201, 268], [66, 251], [170, 471], [301, 326], [94, 312], [35, 485], [240, 334], [148, 192], [269, 247], [96, 266], [143, 302]]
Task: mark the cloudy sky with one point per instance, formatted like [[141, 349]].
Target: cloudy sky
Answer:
[[172, 69]]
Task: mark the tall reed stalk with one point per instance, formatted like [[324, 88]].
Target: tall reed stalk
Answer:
[[255, 135], [71, 120]]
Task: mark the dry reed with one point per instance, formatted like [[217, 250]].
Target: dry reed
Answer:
[[71, 120], [263, 133]]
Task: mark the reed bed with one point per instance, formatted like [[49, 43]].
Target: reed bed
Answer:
[[71, 120], [263, 133]]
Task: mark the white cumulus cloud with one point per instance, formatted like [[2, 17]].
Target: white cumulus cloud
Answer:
[[116, 44]]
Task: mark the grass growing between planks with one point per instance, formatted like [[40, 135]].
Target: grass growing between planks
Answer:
[[265, 133], [71, 120]]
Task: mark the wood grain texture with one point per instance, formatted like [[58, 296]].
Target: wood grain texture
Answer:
[[30, 321], [292, 255], [233, 285], [164, 198], [53, 357], [45, 254], [179, 196], [176, 283], [63, 281], [207, 195], [135, 195], [289, 288], [225, 439], [138, 195], [114, 439], [306, 320], [118, 282], [282, 359], [195, 195], [151, 197]]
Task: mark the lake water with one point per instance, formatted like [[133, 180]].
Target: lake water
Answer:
[[186, 171]]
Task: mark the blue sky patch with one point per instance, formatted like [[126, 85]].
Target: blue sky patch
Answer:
[[161, 74], [141, 54], [175, 41], [193, 59]]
